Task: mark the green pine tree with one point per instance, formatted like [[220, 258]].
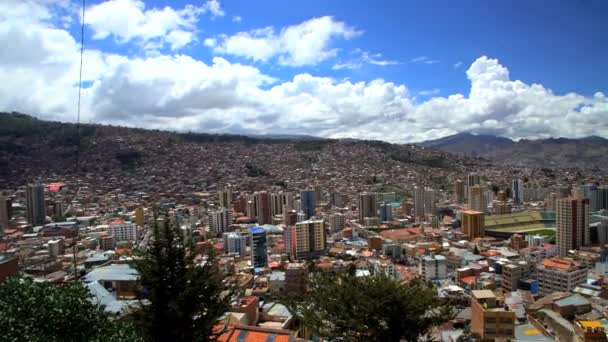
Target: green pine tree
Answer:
[[187, 297], [374, 308]]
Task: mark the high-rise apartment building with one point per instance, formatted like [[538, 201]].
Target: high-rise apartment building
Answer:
[[602, 197], [308, 203], [477, 198], [219, 220], [459, 192], [367, 206], [590, 191], [276, 204], [262, 207], [572, 220], [472, 224], [386, 212], [337, 199], [472, 180], [235, 243], [419, 201], [337, 222], [429, 201], [225, 198], [36, 210], [123, 230], [318, 194], [3, 213], [560, 274], [307, 239], [517, 191], [259, 247]]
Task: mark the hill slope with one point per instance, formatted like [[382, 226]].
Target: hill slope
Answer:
[[34, 148], [586, 153]]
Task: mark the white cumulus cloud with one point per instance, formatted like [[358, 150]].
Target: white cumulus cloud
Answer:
[[307, 43], [180, 92]]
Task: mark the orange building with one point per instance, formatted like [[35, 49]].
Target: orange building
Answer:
[[490, 319], [472, 224]]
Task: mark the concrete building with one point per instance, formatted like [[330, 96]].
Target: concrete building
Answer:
[[459, 192], [262, 207], [225, 198], [572, 219], [295, 277], [4, 219], [472, 224], [433, 267], [560, 274], [366, 206], [490, 319], [36, 210], [602, 197], [219, 220], [477, 198], [514, 272], [56, 247], [337, 222], [123, 230], [308, 239], [429, 201], [517, 191], [235, 243], [386, 212], [419, 201], [472, 180], [307, 203], [139, 217], [259, 247], [337, 200]]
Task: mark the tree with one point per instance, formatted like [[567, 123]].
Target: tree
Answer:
[[374, 308], [47, 312], [187, 297]]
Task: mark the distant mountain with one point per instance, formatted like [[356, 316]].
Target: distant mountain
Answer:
[[586, 153], [285, 136], [469, 144]]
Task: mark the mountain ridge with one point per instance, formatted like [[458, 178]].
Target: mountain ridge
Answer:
[[587, 153]]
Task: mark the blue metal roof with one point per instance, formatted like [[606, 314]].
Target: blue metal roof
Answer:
[[257, 230]]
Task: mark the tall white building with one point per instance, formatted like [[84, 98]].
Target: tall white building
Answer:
[[235, 243], [219, 220], [433, 267], [572, 219], [123, 230]]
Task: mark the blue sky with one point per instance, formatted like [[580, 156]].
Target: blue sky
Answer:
[[393, 70], [558, 45]]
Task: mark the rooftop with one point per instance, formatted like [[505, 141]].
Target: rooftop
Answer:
[[114, 272]]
